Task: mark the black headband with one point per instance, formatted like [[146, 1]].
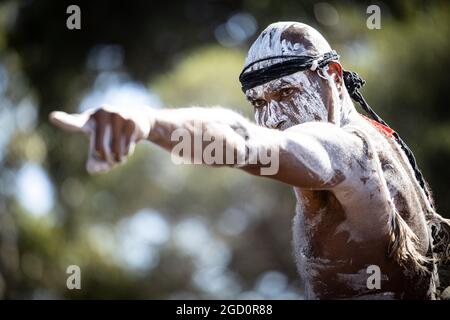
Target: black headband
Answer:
[[293, 64]]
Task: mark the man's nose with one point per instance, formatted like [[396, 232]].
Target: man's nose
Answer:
[[274, 115]]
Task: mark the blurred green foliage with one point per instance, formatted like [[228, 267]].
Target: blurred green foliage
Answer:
[[151, 229], [205, 84]]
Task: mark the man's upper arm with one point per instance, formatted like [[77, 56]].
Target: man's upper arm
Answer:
[[319, 155]]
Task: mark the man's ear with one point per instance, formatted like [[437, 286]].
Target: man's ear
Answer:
[[335, 70]]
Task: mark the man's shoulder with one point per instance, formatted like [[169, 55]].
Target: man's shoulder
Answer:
[[330, 135]]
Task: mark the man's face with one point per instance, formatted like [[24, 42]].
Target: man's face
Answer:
[[288, 101]]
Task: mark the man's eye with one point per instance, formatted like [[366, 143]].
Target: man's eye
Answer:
[[286, 92], [259, 103]]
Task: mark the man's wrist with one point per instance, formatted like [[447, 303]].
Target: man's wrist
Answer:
[[151, 118]]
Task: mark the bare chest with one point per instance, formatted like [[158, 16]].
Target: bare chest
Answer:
[[337, 237]]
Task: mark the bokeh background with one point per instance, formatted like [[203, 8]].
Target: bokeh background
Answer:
[[151, 229]]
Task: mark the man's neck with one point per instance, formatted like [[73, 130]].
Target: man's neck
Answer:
[[348, 111]]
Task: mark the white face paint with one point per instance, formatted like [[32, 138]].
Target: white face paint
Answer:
[[281, 111]]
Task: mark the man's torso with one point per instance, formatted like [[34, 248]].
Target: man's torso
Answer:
[[338, 234]]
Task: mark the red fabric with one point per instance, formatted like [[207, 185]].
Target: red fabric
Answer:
[[385, 129]]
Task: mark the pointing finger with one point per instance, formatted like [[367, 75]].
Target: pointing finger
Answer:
[[70, 122]]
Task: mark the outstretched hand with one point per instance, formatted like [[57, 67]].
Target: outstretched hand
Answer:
[[113, 132]]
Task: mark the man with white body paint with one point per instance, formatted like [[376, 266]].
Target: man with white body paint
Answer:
[[358, 202]]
